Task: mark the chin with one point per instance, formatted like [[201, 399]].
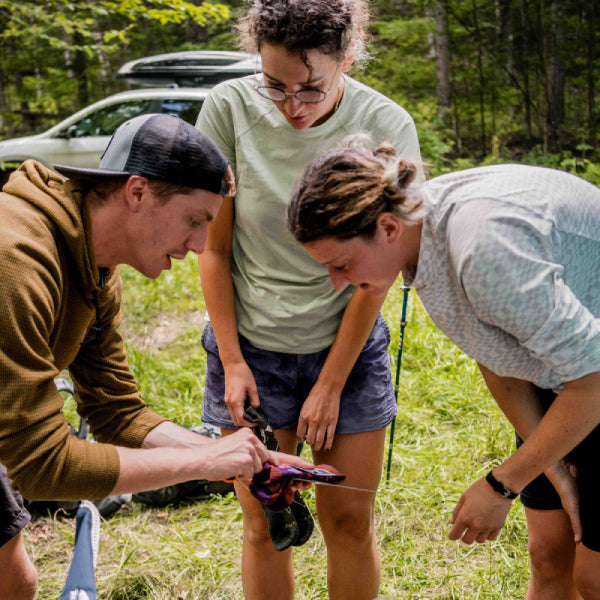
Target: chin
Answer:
[[305, 123], [374, 289]]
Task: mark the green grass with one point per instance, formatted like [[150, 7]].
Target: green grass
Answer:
[[448, 433]]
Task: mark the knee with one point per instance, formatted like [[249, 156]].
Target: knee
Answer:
[[346, 527], [550, 561], [587, 582], [21, 583], [256, 532]]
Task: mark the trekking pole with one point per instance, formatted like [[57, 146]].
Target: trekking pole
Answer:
[[406, 290]]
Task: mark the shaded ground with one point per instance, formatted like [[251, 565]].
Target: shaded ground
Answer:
[[162, 330]]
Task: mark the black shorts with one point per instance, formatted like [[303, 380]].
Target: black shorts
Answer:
[[13, 514], [541, 495]]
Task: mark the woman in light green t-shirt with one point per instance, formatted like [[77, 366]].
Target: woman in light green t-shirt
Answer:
[[279, 334]]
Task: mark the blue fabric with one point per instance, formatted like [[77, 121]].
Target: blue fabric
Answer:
[[284, 380], [81, 580]]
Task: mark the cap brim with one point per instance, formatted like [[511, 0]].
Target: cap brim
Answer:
[[88, 174]]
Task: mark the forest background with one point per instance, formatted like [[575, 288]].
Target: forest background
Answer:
[[485, 80]]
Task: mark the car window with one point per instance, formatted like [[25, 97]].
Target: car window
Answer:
[[187, 109], [105, 120]]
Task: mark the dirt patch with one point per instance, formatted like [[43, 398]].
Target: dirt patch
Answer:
[[164, 330]]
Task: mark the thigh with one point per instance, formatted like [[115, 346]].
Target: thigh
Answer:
[[367, 401], [18, 574], [359, 456], [551, 539], [275, 374]]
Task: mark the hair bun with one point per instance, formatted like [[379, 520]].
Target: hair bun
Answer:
[[407, 171], [385, 150]]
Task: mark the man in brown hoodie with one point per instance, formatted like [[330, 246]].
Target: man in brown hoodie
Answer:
[[159, 184]]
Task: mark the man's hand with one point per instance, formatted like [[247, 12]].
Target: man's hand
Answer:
[[279, 458], [479, 514], [238, 455]]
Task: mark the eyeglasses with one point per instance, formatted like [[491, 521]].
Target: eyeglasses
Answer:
[[306, 96]]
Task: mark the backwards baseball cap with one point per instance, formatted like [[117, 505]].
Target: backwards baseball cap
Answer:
[[159, 146]]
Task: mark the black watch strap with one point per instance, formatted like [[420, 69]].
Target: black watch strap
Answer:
[[500, 487]]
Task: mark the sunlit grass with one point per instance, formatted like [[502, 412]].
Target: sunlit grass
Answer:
[[448, 433]]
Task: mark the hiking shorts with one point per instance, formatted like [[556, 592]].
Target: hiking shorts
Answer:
[[13, 514], [541, 495], [284, 381]]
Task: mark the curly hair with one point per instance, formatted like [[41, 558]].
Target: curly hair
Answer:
[[329, 26], [342, 192]]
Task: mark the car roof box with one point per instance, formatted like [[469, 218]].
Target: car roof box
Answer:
[[192, 68]]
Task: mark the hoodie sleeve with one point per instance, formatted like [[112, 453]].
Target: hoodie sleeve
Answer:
[[42, 458], [108, 397]]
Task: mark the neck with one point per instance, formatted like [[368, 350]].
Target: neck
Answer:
[[411, 246], [106, 237]]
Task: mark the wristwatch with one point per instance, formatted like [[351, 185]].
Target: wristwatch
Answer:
[[500, 487]]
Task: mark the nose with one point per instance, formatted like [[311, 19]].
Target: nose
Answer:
[[338, 279], [292, 106], [197, 240]]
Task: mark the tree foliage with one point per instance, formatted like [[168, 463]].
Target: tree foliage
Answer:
[[485, 80], [54, 53]]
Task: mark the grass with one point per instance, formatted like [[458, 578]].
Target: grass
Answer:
[[448, 433]]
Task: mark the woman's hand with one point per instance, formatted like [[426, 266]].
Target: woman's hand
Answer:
[[563, 476], [239, 386], [319, 417], [479, 514]]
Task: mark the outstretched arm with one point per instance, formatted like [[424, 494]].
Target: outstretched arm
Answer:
[[172, 454]]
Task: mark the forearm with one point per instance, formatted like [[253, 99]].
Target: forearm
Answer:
[[572, 416], [168, 434], [239, 455], [355, 327], [152, 468], [217, 285]]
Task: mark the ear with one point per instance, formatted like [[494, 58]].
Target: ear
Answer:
[[390, 225], [134, 192], [349, 58]]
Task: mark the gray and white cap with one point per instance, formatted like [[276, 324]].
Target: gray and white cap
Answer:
[[162, 147]]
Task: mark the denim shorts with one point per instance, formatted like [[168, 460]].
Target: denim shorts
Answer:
[[541, 495], [13, 514], [284, 381]]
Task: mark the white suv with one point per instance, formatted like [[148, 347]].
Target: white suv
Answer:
[[80, 140]]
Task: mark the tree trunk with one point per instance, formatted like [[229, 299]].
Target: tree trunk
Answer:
[[78, 66], [556, 78], [589, 15], [523, 50], [442, 61], [482, 82], [505, 36]]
